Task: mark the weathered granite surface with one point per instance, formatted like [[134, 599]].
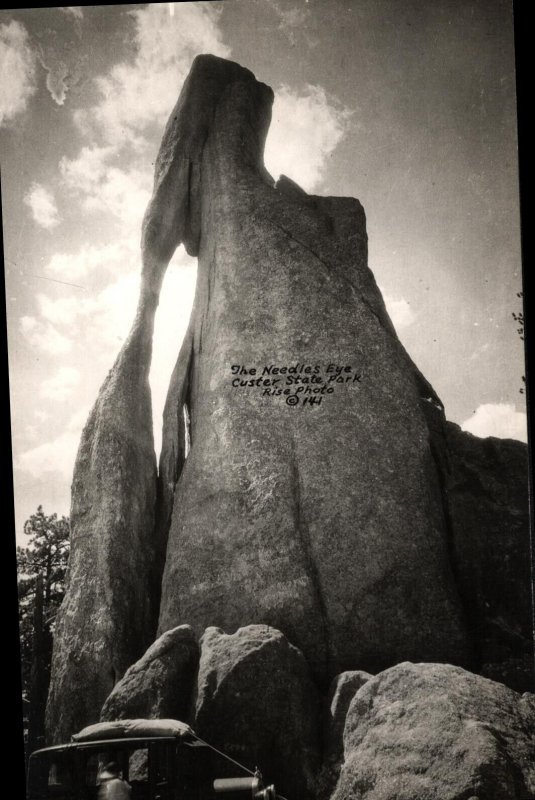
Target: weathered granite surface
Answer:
[[106, 620], [159, 685], [438, 732], [257, 702]]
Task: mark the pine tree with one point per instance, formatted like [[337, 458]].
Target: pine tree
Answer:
[[41, 571]]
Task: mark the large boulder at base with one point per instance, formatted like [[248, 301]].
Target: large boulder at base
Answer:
[[341, 692], [256, 701], [487, 496], [437, 732], [160, 684], [323, 520]]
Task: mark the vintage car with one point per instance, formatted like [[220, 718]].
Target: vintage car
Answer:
[[159, 759]]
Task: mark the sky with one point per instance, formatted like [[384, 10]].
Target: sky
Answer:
[[408, 105]]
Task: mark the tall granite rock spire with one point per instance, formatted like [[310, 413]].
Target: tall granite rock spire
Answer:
[[109, 613], [299, 516]]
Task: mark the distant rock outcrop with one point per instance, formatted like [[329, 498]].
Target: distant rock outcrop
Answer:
[[159, 685], [487, 497], [256, 701], [422, 731]]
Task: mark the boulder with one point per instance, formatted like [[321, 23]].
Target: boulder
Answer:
[[160, 684], [438, 732], [323, 520], [256, 702]]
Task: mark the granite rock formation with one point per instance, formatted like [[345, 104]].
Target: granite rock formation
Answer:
[[159, 685], [363, 526], [106, 620], [294, 517], [434, 731]]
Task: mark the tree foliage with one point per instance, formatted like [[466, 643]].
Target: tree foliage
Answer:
[[41, 575]]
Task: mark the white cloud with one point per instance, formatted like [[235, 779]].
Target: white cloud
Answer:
[[292, 21], [42, 205], [144, 90], [88, 170], [17, 70], [43, 336], [56, 81], [305, 129], [399, 312], [106, 187], [101, 321], [58, 454], [75, 11], [90, 260], [497, 419], [62, 385], [55, 456], [62, 311], [124, 194]]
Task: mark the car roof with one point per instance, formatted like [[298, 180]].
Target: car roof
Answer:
[[124, 741]]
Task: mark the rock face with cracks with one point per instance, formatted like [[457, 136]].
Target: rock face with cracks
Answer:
[[296, 518], [437, 732]]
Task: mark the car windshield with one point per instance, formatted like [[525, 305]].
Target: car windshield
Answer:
[[78, 773]]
